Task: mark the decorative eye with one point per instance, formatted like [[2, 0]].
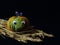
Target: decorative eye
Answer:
[[14, 22], [23, 22]]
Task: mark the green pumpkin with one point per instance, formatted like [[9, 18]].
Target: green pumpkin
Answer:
[[17, 23]]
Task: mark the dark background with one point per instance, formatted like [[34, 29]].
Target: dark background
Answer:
[[37, 12]]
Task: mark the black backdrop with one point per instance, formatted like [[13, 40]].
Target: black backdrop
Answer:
[[37, 12]]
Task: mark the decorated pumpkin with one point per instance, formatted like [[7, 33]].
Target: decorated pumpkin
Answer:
[[17, 23]]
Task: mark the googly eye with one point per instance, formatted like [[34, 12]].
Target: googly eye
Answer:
[[23, 22], [14, 22]]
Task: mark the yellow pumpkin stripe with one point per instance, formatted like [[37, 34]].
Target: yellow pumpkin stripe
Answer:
[[9, 21]]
